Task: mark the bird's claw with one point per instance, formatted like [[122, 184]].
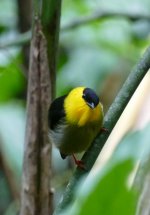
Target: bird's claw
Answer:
[[79, 163]]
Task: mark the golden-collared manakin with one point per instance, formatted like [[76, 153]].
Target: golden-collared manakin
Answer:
[[74, 120]]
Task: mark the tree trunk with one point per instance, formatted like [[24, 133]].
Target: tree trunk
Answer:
[[35, 196]]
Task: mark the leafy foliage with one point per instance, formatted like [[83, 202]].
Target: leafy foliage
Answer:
[[109, 191], [105, 42], [89, 55], [12, 81]]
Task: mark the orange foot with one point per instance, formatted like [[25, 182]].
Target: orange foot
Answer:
[[79, 163]]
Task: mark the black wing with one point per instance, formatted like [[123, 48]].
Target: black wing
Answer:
[[56, 112]]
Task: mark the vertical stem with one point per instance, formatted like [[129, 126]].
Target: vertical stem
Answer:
[[29, 194], [51, 11], [36, 194], [24, 25]]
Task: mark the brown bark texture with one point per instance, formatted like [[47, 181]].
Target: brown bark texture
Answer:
[[35, 193]]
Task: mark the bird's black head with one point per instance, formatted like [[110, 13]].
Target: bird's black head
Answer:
[[90, 98]]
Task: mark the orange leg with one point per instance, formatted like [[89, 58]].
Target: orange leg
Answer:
[[79, 163]]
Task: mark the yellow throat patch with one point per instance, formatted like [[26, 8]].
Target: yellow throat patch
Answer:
[[78, 112]]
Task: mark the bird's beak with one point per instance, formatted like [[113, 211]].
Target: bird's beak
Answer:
[[91, 105]]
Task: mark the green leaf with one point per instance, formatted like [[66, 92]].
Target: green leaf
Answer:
[[111, 195], [107, 192], [12, 81], [134, 145]]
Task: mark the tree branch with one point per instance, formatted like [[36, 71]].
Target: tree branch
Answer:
[[26, 37], [20, 40], [35, 196], [103, 14], [110, 120]]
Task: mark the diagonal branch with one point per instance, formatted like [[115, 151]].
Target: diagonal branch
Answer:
[[110, 120]]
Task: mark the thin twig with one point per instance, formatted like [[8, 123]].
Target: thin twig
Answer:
[[26, 37], [110, 120], [20, 40], [103, 14]]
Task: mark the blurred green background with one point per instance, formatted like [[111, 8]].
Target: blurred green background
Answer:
[[99, 54]]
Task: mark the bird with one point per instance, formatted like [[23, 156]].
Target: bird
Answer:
[[75, 119]]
